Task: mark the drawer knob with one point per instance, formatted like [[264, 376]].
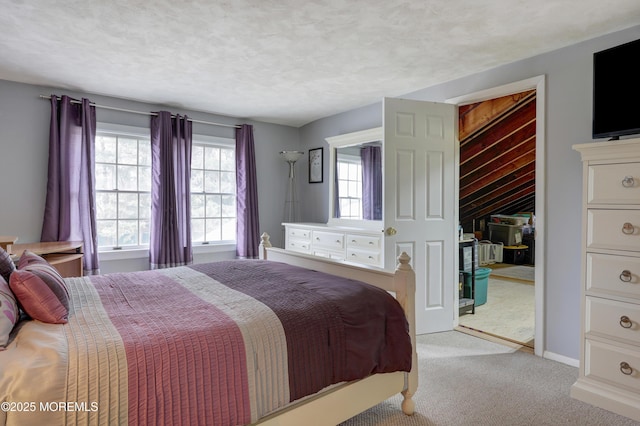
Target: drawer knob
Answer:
[[628, 181], [626, 369], [625, 276], [628, 228], [625, 322]]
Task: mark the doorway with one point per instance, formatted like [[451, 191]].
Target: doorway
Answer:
[[503, 172]]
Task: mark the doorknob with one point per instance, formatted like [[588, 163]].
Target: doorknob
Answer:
[[390, 231]]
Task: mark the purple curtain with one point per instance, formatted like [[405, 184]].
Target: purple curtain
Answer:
[[170, 227], [336, 189], [371, 182], [248, 225], [70, 207]]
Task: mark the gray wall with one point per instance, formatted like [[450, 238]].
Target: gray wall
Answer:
[[568, 121], [24, 121], [24, 134]]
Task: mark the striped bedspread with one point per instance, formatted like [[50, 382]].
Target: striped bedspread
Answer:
[[222, 343]]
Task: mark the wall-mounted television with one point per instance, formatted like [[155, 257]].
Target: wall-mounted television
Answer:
[[616, 91]]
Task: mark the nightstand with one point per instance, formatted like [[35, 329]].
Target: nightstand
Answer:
[[7, 242], [65, 256]]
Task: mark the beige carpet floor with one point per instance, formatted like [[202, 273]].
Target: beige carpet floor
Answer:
[[508, 313], [465, 380]]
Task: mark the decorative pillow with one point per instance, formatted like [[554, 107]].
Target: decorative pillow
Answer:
[[28, 257], [41, 292], [6, 265], [9, 313]]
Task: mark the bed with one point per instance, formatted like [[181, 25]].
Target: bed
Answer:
[[218, 343]]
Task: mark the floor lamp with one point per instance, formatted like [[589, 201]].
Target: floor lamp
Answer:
[[291, 202]]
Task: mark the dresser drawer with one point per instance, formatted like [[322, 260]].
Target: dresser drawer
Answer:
[[603, 362], [299, 233], [328, 240], [613, 319], [329, 254], [619, 275], [299, 245], [613, 229], [614, 184], [368, 242], [363, 256]]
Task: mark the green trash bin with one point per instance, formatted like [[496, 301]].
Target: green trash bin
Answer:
[[482, 282]]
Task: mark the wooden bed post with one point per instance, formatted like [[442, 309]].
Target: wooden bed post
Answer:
[[405, 283], [264, 244]]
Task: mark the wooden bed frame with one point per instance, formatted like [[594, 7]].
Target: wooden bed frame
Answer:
[[344, 401]]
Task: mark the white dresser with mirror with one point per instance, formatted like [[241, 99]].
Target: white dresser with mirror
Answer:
[[354, 231]]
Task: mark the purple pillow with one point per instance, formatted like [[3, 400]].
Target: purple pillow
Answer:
[[9, 313], [6, 265], [28, 257], [41, 292]]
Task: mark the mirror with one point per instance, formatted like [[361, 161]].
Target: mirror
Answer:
[[358, 182], [355, 178]]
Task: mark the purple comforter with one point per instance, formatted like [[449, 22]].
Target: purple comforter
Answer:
[[224, 343]]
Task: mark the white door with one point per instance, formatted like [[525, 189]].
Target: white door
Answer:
[[420, 142]]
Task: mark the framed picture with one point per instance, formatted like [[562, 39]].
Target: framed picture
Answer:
[[315, 165]]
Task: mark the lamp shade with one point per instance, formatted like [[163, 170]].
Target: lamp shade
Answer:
[[291, 156]]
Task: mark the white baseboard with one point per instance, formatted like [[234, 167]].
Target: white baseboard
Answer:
[[561, 358]]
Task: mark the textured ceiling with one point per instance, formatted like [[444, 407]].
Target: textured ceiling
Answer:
[[289, 61]]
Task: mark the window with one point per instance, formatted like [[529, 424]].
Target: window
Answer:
[[213, 192], [123, 188], [350, 187]]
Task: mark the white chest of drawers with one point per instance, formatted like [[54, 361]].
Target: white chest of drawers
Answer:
[[610, 339], [353, 245]]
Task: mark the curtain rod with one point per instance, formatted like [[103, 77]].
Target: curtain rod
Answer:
[[146, 113]]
